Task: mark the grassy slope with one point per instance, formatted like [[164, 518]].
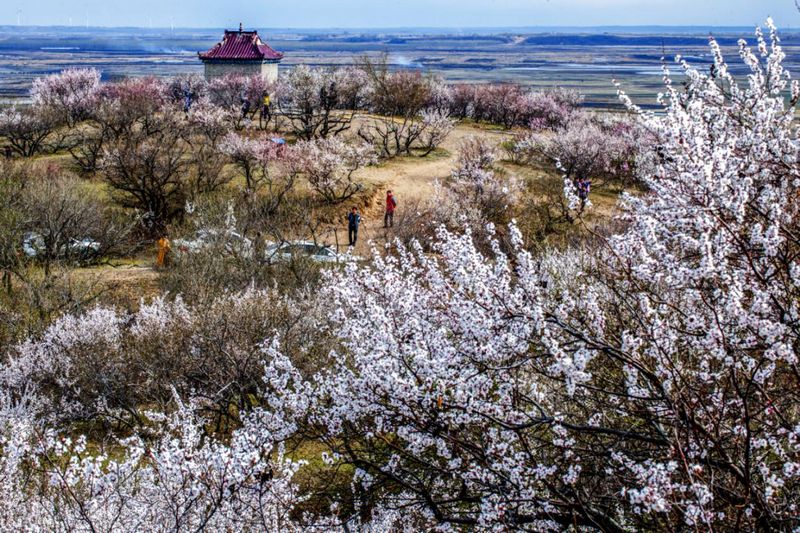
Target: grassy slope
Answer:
[[411, 179]]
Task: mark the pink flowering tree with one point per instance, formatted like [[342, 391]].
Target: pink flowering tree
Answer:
[[69, 96], [584, 148], [552, 109], [506, 104], [462, 97], [132, 103], [587, 147], [266, 166], [330, 165]]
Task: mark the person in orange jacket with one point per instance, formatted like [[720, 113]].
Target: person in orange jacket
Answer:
[[163, 250]]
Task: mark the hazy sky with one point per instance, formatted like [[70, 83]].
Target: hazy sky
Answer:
[[394, 13]]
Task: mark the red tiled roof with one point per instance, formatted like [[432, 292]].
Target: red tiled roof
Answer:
[[241, 45]]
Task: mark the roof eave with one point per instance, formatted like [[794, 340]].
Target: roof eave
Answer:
[[239, 60]]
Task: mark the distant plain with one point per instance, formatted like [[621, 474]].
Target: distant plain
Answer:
[[587, 59]]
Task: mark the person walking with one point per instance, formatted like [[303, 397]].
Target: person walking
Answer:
[[391, 205], [266, 114], [353, 221]]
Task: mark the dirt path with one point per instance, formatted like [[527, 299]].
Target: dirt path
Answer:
[[413, 178], [410, 179]]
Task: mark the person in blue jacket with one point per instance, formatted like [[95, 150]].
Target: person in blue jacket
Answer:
[[353, 221]]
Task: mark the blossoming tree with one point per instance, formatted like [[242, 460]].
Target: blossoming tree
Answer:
[[651, 386]]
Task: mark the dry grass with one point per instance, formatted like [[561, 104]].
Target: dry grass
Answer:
[[123, 285]]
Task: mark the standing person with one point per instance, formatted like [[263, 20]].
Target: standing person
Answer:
[[187, 99], [245, 104], [266, 114], [163, 249], [353, 221], [391, 204], [584, 188]]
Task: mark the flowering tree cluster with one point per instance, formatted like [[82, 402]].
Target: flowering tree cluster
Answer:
[[601, 150], [170, 472], [512, 105], [109, 363], [129, 132], [413, 111], [587, 147]]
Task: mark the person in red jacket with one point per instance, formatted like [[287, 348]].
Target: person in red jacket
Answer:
[[391, 204]]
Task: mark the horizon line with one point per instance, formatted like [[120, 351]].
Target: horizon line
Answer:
[[399, 28]]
